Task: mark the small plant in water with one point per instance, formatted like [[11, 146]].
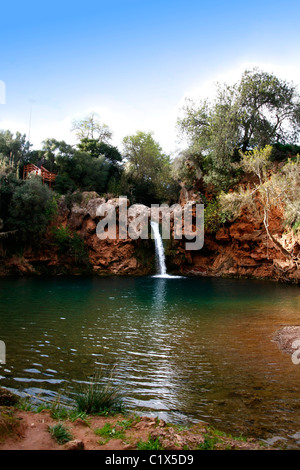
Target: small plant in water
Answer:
[[60, 433], [100, 396]]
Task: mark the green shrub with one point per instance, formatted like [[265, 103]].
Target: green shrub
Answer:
[[296, 226], [63, 184], [82, 171], [60, 433], [99, 396], [24, 404], [214, 217], [209, 443], [58, 412], [31, 208], [42, 407], [151, 444], [70, 243], [79, 250], [281, 152], [73, 198], [62, 238]]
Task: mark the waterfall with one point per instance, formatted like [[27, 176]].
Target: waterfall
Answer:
[[159, 249]]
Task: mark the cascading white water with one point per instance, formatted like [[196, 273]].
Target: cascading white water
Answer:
[[159, 249]]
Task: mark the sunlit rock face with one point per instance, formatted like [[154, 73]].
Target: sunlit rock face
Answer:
[[104, 256], [243, 249], [238, 249]]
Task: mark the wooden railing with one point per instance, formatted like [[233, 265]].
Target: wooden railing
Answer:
[[32, 169]]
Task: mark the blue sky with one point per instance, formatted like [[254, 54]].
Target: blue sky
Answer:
[[133, 61]]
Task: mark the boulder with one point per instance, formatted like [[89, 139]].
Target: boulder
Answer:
[[74, 445], [8, 398]]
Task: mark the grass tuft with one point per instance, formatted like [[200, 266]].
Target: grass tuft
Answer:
[[100, 396], [110, 432], [151, 444], [209, 443], [60, 433], [8, 423]]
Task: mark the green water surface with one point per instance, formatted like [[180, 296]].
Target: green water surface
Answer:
[[185, 349]]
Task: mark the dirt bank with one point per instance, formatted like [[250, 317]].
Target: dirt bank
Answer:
[[27, 430]]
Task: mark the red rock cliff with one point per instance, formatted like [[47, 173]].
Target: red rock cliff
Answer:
[[243, 249], [238, 249]]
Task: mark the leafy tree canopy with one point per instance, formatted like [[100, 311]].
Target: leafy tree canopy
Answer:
[[148, 168], [14, 147], [91, 127], [97, 148], [257, 111], [30, 207], [81, 171]]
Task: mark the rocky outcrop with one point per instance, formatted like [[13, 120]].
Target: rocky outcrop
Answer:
[[93, 255], [7, 398], [238, 249], [288, 339], [243, 249]]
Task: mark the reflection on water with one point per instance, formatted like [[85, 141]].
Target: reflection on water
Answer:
[[186, 349], [159, 297]]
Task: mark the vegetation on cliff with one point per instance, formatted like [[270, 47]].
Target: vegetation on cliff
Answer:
[[257, 111]]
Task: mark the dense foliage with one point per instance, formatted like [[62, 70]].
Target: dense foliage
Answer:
[[279, 189], [148, 170], [25, 209], [257, 111], [142, 172]]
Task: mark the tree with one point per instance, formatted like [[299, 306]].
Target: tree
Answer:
[[186, 168], [147, 167], [90, 127], [15, 148], [81, 171], [30, 209], [258, 110], [269, 110], [8, 185], [97, 148], [280, 190], [51, 148]]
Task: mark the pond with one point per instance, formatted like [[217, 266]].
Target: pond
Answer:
[[185, 349]]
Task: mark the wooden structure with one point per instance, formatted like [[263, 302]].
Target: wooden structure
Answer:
[[46, 175]]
